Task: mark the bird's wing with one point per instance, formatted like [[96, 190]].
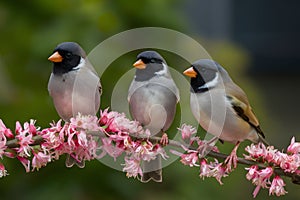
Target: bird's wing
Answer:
[[132, 88], [240, 104], [49, 84], [169, 82], [92, 69]]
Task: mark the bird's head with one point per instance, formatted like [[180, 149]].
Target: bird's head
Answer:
[[150, 64], [66, 57], [204, 75]]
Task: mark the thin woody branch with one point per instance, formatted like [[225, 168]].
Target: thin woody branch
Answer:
[[295, 177], [85, 138]]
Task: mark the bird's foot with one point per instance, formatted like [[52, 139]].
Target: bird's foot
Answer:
[[164, 139], [232, 159]]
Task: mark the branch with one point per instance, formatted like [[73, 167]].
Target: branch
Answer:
[[38, 140], [14, 143], [113, 134], [217, 155]]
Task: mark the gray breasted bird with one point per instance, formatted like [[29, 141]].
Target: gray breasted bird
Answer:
[[74, 84], [152, 98], [220, 106]]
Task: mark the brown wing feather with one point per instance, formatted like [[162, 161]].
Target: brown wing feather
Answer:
[[240, 104]]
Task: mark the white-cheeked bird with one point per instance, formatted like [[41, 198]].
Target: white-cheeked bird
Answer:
[[152, 98], [73, 85], [220, 106]]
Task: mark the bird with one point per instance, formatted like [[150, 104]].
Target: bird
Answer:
[[221, 107], [152, 97], [74, 85]]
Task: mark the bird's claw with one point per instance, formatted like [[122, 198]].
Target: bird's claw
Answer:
[[164, 139], [232, 159]]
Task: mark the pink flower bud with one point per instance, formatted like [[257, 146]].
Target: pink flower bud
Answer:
[[277, 187]]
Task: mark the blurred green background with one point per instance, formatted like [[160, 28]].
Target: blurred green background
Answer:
[[260, 58]]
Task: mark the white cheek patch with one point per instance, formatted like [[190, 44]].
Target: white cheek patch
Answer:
[[81, 64], [211, 83], [164, 71]]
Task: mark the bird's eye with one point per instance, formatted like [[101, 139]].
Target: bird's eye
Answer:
[[68, 55], [152, 60]]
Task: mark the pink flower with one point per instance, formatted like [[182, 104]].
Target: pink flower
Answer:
[[30, 127], [260, 152], [132, 167], [52, 136], [270, 154], [109, 148], [18, 127], [213, 169], [190, 158], [277, 187], [187, 131], [116, 122], [104, 118], [289, 163], [6, 131], [294, 147], [144, 151], [87, 122], [160, 151], [24, 139], [252, 172], [39, 160], [121, 123], [3, 171], [266, 173], [107, 118], [25, 162], [2, 144], [92, 148], [218, 171], [82, 138], [260, 178], [256, 151], [124, 124], [204, 169]]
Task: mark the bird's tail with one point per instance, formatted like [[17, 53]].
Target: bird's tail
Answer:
[[70, 161], [152, 170]]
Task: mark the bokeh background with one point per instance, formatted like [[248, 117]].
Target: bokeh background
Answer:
[[256, 41]]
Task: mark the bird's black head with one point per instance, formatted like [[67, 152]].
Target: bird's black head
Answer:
[[203, 73], [66, 57], [148, 65]]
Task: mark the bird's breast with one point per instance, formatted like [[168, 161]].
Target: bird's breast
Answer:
[[71, 95], [216, 115], [153, 105]]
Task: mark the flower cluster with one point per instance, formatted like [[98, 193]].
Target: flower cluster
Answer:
[[194, 155], [125, 136], [82, 139], [85, 138], [70, 138], [262, 179], [273, 159], [263, 176]]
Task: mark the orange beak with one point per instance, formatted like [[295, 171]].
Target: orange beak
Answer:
[[190, 72], [139, 64], [55, 57]]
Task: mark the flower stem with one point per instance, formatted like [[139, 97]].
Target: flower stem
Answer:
[[14, 143]]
